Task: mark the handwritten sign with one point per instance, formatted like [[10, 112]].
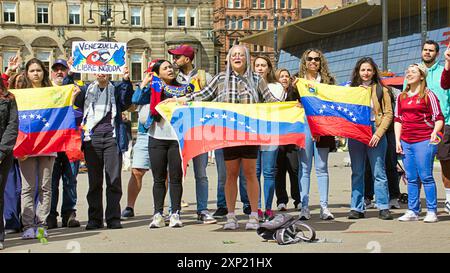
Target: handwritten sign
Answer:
[[98, 57]]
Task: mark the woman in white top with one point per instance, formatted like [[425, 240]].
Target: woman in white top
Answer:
[[36, 169], [267, 155]]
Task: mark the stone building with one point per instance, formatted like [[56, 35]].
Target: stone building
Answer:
[[46, 29]]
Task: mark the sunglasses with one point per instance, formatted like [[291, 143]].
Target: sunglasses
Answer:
[[176, 57], [309, 59]]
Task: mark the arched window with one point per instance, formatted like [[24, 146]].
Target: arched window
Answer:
[[227, 22], [258, 23], [233, 22], [282, 21], [264, 26], [240, 22], [252, 23]]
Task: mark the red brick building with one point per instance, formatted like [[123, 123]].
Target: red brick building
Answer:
[[234, 19]]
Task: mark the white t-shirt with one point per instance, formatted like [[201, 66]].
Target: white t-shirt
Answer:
[[277, 91], [162, 130]]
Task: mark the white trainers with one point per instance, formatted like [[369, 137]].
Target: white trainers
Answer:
[[158, 221], [325, 214], [447, 207], [393, 204], [205, 217], [232, 223], [253, 223], [30, 233], [175, 220], [305, 214], [409, 216], [431, 217], [282, 207]]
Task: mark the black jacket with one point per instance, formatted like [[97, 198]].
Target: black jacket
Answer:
[[9, 126]]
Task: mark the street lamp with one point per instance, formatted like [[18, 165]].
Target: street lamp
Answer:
[[108, 14]]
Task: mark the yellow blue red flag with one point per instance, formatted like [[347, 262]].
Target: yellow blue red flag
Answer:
[[205, 126], [336, 110], [46, 121]]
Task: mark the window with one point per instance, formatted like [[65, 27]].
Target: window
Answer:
[[227, 22], [255, 4], [136, 66], [42, 14], [233, 22], [258, 23], [289, 4], [193, 15], [237, 3], [262, 4], [261, 48], [135, 16], [44, 56], [230, 4], [9, 12], [289, 19], [239, 22], [282, 21], [169, 17], [264, 26], [233, 41], [103, 15], [252, 23], [74, 15], [6, 56], [181, 17], [255, 48], [282, 4]]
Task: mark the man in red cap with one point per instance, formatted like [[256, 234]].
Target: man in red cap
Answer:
[[183, 57]]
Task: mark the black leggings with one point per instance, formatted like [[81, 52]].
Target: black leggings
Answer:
[[165, 153], [4, 171]]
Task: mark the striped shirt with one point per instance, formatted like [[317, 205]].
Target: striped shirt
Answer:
[[239, 90], [417, 116]]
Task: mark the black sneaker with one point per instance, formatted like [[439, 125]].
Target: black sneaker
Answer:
[[93, 225], [70, 220], [353, 214], [52, 222], [127, 213], [385, 214], [220, 213], [247, 210], [114, 225]]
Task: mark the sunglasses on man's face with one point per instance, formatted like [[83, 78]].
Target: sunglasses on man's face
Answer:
[[176, 57], [309, 59]]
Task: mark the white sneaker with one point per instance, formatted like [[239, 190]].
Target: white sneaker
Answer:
[[409, 216], [253, 223], [158, 221], [393, 204], [282, 207], [325, 214], [447, 207], [305, 214], [175, 220], [205, 217], [431, 217], [232, 223], [368, 203]]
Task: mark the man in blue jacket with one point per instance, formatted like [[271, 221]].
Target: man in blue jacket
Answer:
[[102, 103]]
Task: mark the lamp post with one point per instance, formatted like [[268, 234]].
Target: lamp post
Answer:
[[109, 14], [275, 34]]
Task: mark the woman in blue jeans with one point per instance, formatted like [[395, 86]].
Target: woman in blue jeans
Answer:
[[366, 74], [418, 119], [267, 155], [314, 67]]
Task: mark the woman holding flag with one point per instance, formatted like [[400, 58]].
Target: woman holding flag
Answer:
[[418, 121], [314, 67], [366, 74], [239, 84], [36, 166]]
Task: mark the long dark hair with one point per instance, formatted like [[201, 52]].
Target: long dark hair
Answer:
[[156, 68], [271, 72], [4, 94], [46, 79], [324, 71], [356, 78]]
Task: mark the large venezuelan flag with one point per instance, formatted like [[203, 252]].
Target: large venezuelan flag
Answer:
[[207, 126], [336, 110], [46, 121]]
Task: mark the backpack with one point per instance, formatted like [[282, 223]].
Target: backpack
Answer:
[[285, 229], [201, 75], [379, 91]]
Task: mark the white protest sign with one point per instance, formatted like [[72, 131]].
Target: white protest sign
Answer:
[[98, 57]]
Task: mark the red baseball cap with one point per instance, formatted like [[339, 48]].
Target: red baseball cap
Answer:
[[184, 50], [150, 65]]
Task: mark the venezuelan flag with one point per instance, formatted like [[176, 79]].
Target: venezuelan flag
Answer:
[[336, 110], [46, 121], [205, 126]]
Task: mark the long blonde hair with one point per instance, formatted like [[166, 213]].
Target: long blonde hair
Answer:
[[323, 69], [422, 88]]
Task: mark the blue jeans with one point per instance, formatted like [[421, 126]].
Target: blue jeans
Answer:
[[359, 153], [12, 198], [68, 171], [268, 159], [418, 161], [321, 165], [201, 181], [222, 178]]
